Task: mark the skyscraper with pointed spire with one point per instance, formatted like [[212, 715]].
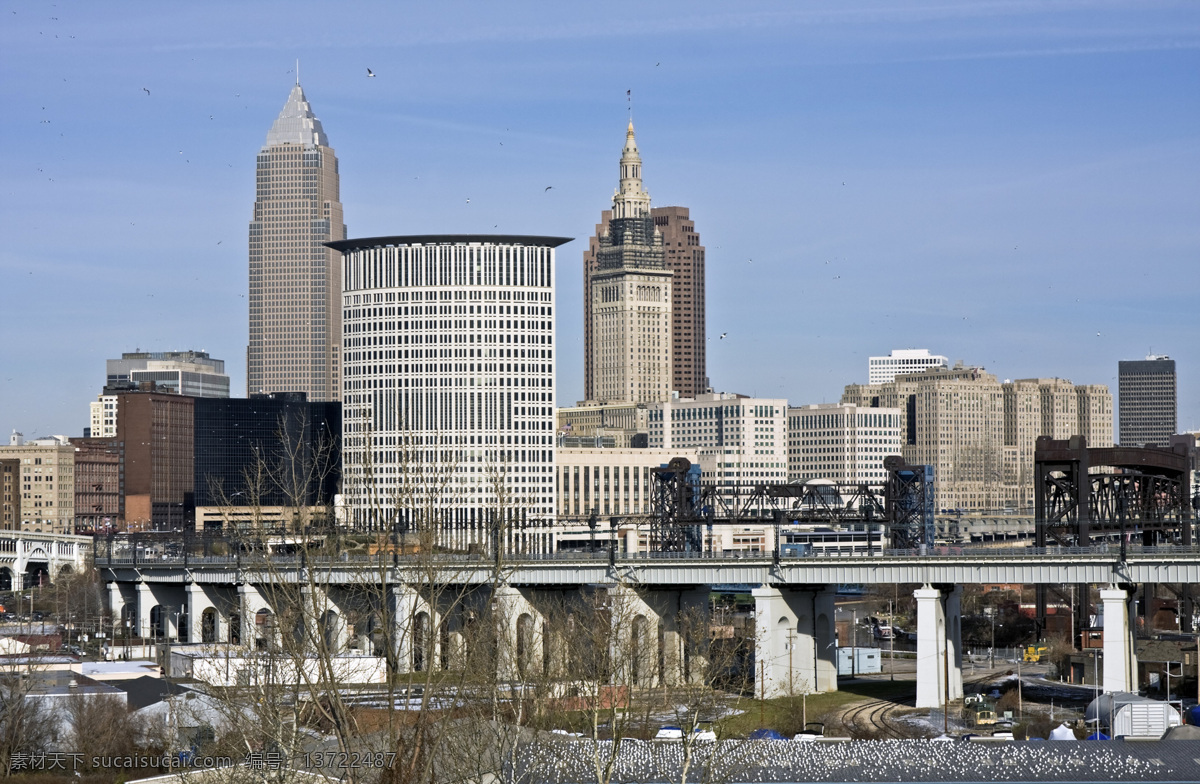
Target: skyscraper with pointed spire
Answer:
[[628, 309], [681, 254], [295, 281]]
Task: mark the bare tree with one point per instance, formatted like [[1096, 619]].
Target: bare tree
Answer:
[[26, 725], [101, 725]]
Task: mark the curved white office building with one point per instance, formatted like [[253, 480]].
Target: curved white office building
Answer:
[[448, 387]]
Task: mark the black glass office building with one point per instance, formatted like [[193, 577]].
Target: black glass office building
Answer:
[[272, 450]]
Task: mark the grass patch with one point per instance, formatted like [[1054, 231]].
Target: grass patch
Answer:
[[787, 714]]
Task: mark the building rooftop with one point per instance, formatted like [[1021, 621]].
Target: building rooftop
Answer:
[[449, 239], [296, 123]]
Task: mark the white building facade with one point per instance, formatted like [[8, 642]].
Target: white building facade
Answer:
[[841, 442], [740, 440], [448, 394], [614, 485], [902, 361]]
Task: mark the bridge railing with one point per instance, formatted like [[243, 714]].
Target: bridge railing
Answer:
[[252, 559]]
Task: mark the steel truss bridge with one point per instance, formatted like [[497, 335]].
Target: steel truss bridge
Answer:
[[684, 507], [1129, 495]]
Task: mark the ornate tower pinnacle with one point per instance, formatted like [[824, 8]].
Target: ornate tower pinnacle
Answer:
[[631, 200]]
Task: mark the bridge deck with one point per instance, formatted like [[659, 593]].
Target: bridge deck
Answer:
[[1100, 564]]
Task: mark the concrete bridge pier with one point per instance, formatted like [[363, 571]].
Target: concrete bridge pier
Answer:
[[207, 614], [1120, 662], [519, 628], [794, 641], [249, 604], [121, 608], [323, 615], [397, 625], [169, 604], [939, 645], [650, 629]]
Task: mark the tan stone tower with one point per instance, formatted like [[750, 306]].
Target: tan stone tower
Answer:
[[683, 255], [295, 281], [629, 303]]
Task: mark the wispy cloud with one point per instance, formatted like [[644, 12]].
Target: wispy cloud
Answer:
[[1055, 51], [435, 31]]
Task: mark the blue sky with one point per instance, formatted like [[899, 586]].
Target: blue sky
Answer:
[[1013, 184]]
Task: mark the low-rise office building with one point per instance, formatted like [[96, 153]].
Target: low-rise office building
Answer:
[[589, 423], [739, 440], [607, 486]]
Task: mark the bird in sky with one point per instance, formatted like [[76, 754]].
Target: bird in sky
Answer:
[[147, 90], [723, 334], [548, 187], [370, 73]]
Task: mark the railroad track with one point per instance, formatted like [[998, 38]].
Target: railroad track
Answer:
[[874, 718]]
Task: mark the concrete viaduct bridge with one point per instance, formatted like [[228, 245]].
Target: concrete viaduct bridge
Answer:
[[30, 559], [224, 598]]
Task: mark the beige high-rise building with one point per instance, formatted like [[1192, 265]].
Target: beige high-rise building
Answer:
[[295, 280], [1095, 414], [960, 432], [630, 300], [682, 255], [979, 434], [38, 485]]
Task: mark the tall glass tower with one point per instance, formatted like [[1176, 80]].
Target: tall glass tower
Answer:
[[295, 280]]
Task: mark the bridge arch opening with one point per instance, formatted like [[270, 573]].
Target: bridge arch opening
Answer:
[[421, 642], [331, 631], [640, 649], [6, 579], [208, 625], [37, 574], [158, 622], [265, 630], [525, 644]]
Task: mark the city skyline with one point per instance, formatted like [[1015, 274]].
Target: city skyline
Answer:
[[1011, 184]]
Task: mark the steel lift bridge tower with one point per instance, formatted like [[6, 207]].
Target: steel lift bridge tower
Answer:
[[1091, 495], [684, 509]]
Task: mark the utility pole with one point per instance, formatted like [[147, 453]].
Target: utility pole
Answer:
[[854, 643], [1020, 702], [946, 682], [991, 613], [891, 643], [791, 687]]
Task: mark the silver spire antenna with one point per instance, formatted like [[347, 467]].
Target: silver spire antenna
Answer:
[[297, 70]]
